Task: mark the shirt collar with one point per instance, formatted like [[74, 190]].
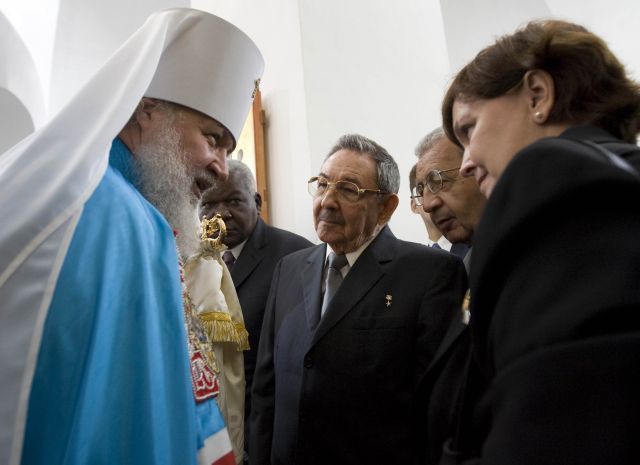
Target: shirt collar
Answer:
[[237, 250], [444, 243]]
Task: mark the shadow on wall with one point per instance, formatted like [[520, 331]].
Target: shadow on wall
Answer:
[[21, 96], [15, 120]]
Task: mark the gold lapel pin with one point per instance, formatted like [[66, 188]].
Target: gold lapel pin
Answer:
[[466, 306]]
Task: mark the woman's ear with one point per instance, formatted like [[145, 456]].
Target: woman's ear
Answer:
[[539, 89]]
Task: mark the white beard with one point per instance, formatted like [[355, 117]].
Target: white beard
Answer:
[[165, 178]]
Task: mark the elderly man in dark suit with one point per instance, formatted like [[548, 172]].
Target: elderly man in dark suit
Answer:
[[254, 250], [455, 204], [344, 344]]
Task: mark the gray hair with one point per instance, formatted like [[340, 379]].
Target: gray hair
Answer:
[[242, 173], [387, 170], [429, 141]]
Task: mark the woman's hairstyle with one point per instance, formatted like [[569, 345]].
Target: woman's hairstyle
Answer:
[[591, 86]]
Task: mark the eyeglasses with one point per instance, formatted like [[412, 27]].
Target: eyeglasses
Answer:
[[435, 183], [346, 190]]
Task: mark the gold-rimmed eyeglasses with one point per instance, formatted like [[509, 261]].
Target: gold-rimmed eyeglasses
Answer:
[[434, 182], [347, 190]]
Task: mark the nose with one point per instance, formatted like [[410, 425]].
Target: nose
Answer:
[[430, 202], [208, 209], [330, 198], [223, 211], [468, 167], [218, 165]]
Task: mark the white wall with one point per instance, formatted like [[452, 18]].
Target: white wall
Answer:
[[616, 21], [335, 67], [275, 27], [21, 99], [472, 24], [374, 67], [381, 68], [35, 22], [86, 35], [491, 18]]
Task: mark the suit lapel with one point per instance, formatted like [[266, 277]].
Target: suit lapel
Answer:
[[251, 255], [364, 274], [456, 328], [311, 277]]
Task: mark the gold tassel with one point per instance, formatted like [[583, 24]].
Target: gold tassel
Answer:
[[221, 328], [243, 336]]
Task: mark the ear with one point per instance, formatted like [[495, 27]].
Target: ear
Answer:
[[145, 112], [258, 198], [539, 90], [389, 205], [414, 206]]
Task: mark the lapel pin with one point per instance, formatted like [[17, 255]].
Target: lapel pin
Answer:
[[466, 307], [388, 297]]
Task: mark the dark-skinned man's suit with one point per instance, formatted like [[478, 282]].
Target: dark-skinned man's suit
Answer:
[[555, 322], [251, 274], [344, 391]]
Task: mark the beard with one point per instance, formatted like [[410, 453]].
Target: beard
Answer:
[[166, 179]]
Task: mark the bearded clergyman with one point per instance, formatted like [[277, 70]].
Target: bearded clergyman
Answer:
[[103, 357]]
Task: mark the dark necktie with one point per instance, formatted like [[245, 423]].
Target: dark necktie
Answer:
[[228, 259], [435, 245], [334, 278]]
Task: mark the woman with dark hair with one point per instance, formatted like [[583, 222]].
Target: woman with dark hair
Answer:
[[548, 120]]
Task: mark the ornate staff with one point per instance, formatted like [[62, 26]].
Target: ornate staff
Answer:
[[214, 231]]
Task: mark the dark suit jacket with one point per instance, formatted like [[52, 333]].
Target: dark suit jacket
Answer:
[[344, 392], [252, 274], [442, 387], [555, 322]]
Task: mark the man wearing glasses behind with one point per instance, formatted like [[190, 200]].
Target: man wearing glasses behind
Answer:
[[455, 203], [350, 325]]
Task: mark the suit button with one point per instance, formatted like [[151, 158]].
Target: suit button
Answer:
[[308, 362]]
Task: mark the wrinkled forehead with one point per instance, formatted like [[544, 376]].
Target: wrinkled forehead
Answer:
[[442, 155], [194, 116]]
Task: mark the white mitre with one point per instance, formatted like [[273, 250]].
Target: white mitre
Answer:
[[181, 55]]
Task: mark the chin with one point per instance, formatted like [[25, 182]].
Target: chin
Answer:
[[487, 187], [232, 240], [325, 236], [454, 236]]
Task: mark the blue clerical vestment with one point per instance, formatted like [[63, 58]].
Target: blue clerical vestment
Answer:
[[112, 381]]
